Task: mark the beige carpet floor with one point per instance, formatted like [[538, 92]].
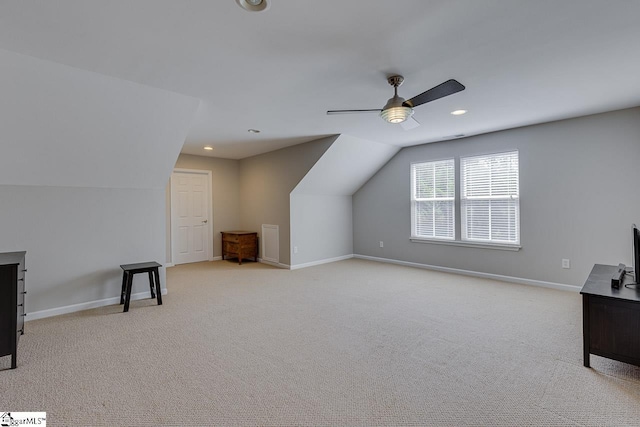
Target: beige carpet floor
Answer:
[[353, 343]]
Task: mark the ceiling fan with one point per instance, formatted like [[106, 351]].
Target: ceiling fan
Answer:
[[397, 110]]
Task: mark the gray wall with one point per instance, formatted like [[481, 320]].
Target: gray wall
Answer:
[[579, 183], [265, 183], [76, 238], [321, 227], [225, 196]]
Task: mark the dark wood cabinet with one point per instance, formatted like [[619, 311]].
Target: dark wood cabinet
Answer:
[[611, 317], [240, 244], [12, 292]]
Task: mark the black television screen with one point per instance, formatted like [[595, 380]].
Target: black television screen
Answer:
[[636, 253]]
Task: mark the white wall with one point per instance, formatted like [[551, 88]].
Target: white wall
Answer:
[[579, 183], [321, 207], [63, 126], [321, 228], [76, 239], [84, 161]]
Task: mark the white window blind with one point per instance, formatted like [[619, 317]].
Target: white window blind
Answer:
[[433, 199], [490, 199]]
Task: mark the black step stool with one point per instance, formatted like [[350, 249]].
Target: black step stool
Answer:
[[128, 270]]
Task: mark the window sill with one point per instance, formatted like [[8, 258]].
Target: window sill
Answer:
[[467, 244]]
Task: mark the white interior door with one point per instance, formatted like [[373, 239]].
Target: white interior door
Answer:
[[190, 221]]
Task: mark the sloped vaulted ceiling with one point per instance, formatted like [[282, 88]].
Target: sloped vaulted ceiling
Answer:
[[62, 126], [522, 61], [345, 167]]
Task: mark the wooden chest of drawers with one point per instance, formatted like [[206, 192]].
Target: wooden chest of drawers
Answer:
[[12, 313], [240, 244]]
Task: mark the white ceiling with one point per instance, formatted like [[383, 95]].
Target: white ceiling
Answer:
[[522, 61]]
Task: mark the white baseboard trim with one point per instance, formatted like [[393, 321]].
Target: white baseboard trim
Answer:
[[215, 258], [519, 280], [274, 264], [84, 306], [322, 261]]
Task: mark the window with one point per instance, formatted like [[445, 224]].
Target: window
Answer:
[[433, 200], [490, 198]]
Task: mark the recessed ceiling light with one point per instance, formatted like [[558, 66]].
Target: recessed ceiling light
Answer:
[[458, 112], [253, 131], [253, 5], [208, 147]]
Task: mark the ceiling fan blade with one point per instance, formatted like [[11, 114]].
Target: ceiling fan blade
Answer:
[[410, 123], [331, 112], [443, 89]]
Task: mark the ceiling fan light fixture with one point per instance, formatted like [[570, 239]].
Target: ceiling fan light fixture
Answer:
[[395, 111], [396, 114]]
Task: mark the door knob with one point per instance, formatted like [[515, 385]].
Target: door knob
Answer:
[[205, 221]]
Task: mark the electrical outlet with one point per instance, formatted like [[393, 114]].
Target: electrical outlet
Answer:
[[381, 244], [295, 249], [566, 263]]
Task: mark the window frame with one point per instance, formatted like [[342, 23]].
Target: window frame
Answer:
[[464, 224], [415, 200], [457, 210]]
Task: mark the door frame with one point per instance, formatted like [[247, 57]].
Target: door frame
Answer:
[[209, 210]]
